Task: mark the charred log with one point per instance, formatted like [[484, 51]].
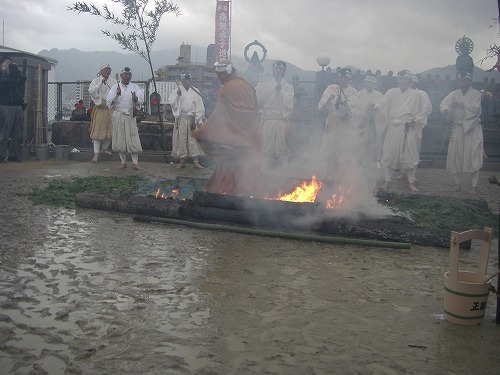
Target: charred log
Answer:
[[190, 210], [130, 204], [275, 207], [258, 218], [389, 229]]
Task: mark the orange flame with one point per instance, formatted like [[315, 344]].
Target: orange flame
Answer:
[[305, 192], [158, 195], [175, 192], [308, 191], [161, 195], [337, 198]]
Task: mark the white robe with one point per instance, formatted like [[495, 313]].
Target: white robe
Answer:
[[424, 113], [125, 132], [401, 147], [465, 150], [99, 91], [184, 107], [340, 139], [277, 107]]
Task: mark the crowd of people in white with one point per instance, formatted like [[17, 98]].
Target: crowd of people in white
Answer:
[[365, 127]]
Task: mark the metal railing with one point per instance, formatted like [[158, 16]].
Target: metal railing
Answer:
[[62, 97]]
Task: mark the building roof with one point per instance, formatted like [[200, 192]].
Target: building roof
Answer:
[[23, 54]]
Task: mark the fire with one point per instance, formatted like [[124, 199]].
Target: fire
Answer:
[[309, 191], [337, 198], [175, 192], [305, 192], [160, 195]]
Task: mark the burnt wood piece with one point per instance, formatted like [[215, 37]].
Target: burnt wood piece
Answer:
[[192, 211], [144, 205], [232, 202], [390, 229], [254, 218], [387, 230]]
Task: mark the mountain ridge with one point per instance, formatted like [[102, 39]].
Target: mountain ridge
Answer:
[[76, 65]]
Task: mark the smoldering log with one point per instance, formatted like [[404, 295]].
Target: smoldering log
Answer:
[[389, 229], [254, 218], [276, 207], [192, 211], [144, 205]]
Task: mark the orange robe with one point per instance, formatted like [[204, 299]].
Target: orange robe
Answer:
[[231, 136]]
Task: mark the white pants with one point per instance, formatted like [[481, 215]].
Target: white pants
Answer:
[[475, 178], [123, 157], [100, 144]]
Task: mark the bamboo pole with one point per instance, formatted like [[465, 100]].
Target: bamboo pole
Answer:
[[269, 233]]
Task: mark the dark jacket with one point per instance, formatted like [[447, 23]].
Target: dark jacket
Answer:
[[11, 86]]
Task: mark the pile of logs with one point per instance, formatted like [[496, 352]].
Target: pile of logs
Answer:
[[307, 218]]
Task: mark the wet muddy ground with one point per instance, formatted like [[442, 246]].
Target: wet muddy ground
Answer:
[[91, 292]]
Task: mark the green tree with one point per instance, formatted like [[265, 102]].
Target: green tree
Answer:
[[139, 19]]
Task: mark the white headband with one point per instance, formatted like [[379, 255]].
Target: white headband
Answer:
[[465, 74], [104, 66], [406, 74], [220, 67]]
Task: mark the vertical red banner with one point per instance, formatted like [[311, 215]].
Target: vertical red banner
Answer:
[[222, 30]]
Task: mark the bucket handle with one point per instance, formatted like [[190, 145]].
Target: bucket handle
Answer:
[[455, 241], [491, 276]]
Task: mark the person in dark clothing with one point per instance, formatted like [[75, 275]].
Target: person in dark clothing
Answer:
[[12, 107]]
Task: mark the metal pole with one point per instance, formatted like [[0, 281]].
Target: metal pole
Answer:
[[498, 261], [498, 240], [59, 110]]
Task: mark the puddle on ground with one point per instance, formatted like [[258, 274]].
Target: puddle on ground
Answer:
[[85, 291]]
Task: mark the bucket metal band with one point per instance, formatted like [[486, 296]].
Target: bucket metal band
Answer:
[[466, 294], [464, 317]]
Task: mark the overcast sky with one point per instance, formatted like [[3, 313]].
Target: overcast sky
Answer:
[[382, 34]]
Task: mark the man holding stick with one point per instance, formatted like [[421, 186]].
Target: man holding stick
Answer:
[[188, 109], [400, 111], [125, 98], [462, 107]]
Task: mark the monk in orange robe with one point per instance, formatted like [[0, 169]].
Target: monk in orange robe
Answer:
[[231, 135]]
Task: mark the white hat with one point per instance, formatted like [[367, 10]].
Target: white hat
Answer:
[[465, 74], [223, 65], [405, 74], [370, 78]]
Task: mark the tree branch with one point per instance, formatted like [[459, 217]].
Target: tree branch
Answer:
[[143, 25]]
